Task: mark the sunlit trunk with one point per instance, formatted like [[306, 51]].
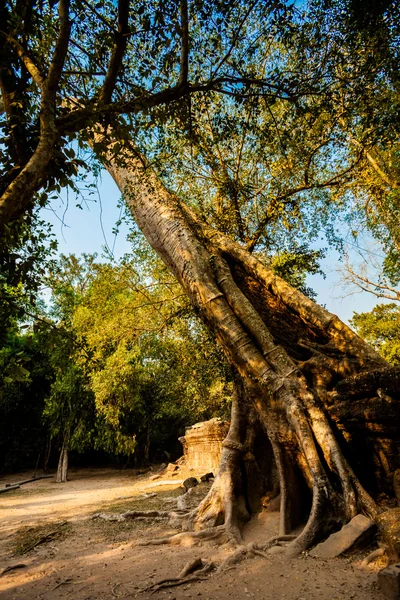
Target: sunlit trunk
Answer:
[[291, 354], [62, 469]]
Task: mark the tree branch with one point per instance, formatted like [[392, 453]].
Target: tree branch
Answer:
[[99, 15], [365, 284], [234, 40], [19, 193], [184, 62], [30, 65], [121, 41], [77, 119], [333, 181]]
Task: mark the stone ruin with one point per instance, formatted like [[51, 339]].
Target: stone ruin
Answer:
[[202, 444]]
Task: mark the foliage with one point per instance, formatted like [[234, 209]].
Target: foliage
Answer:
[[152, 367], [280, 119], [381, 328], [25, 254], [69, 407], [24, 382], [295, 266]]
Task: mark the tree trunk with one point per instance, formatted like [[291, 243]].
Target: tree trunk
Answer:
[[146, 450], [62, 469], [302, 369], [47, 454]]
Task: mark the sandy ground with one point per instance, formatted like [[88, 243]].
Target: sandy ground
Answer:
[[98, 560]]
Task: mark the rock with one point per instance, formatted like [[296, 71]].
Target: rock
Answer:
[[171, 468], [205, 478], [389, 581], [190, 482], [202, 444], [357, 532], [389, 527], [154, 477]]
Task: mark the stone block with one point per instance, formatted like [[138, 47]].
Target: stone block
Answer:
[[389, 581], [358, 532], [202, 444]]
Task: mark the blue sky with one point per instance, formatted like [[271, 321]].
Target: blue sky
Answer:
[[90, 229]]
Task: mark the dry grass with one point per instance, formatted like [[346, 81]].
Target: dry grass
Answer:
[[28, 538], [121, 531], [159, 502]]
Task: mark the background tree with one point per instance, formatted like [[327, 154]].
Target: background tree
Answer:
[[381, 328], [152, 367], [24, 384]]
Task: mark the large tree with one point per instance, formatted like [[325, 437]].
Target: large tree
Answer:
[[309, 391], [304, 375]]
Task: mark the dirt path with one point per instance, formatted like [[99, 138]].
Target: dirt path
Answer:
[[96, 560]]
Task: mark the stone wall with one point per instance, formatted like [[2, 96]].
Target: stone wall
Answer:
[[202, 444]]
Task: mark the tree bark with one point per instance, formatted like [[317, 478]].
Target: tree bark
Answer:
[[47, 454], [291, 354], [62, 469]]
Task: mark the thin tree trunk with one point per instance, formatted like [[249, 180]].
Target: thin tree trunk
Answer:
[[47, 454], [62, 469], [146, 451]]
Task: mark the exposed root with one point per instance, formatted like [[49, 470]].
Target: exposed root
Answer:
[[197, 569], [238, 556], [315, 520], [138, 515], [250, 551], [192, 565], [278, 540], [372, 556], [187, 538], [199, 566]]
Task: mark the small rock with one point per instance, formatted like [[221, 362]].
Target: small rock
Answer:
[[206, 477], [358, 531], [171, 468], [190, 482], [389, 581]]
